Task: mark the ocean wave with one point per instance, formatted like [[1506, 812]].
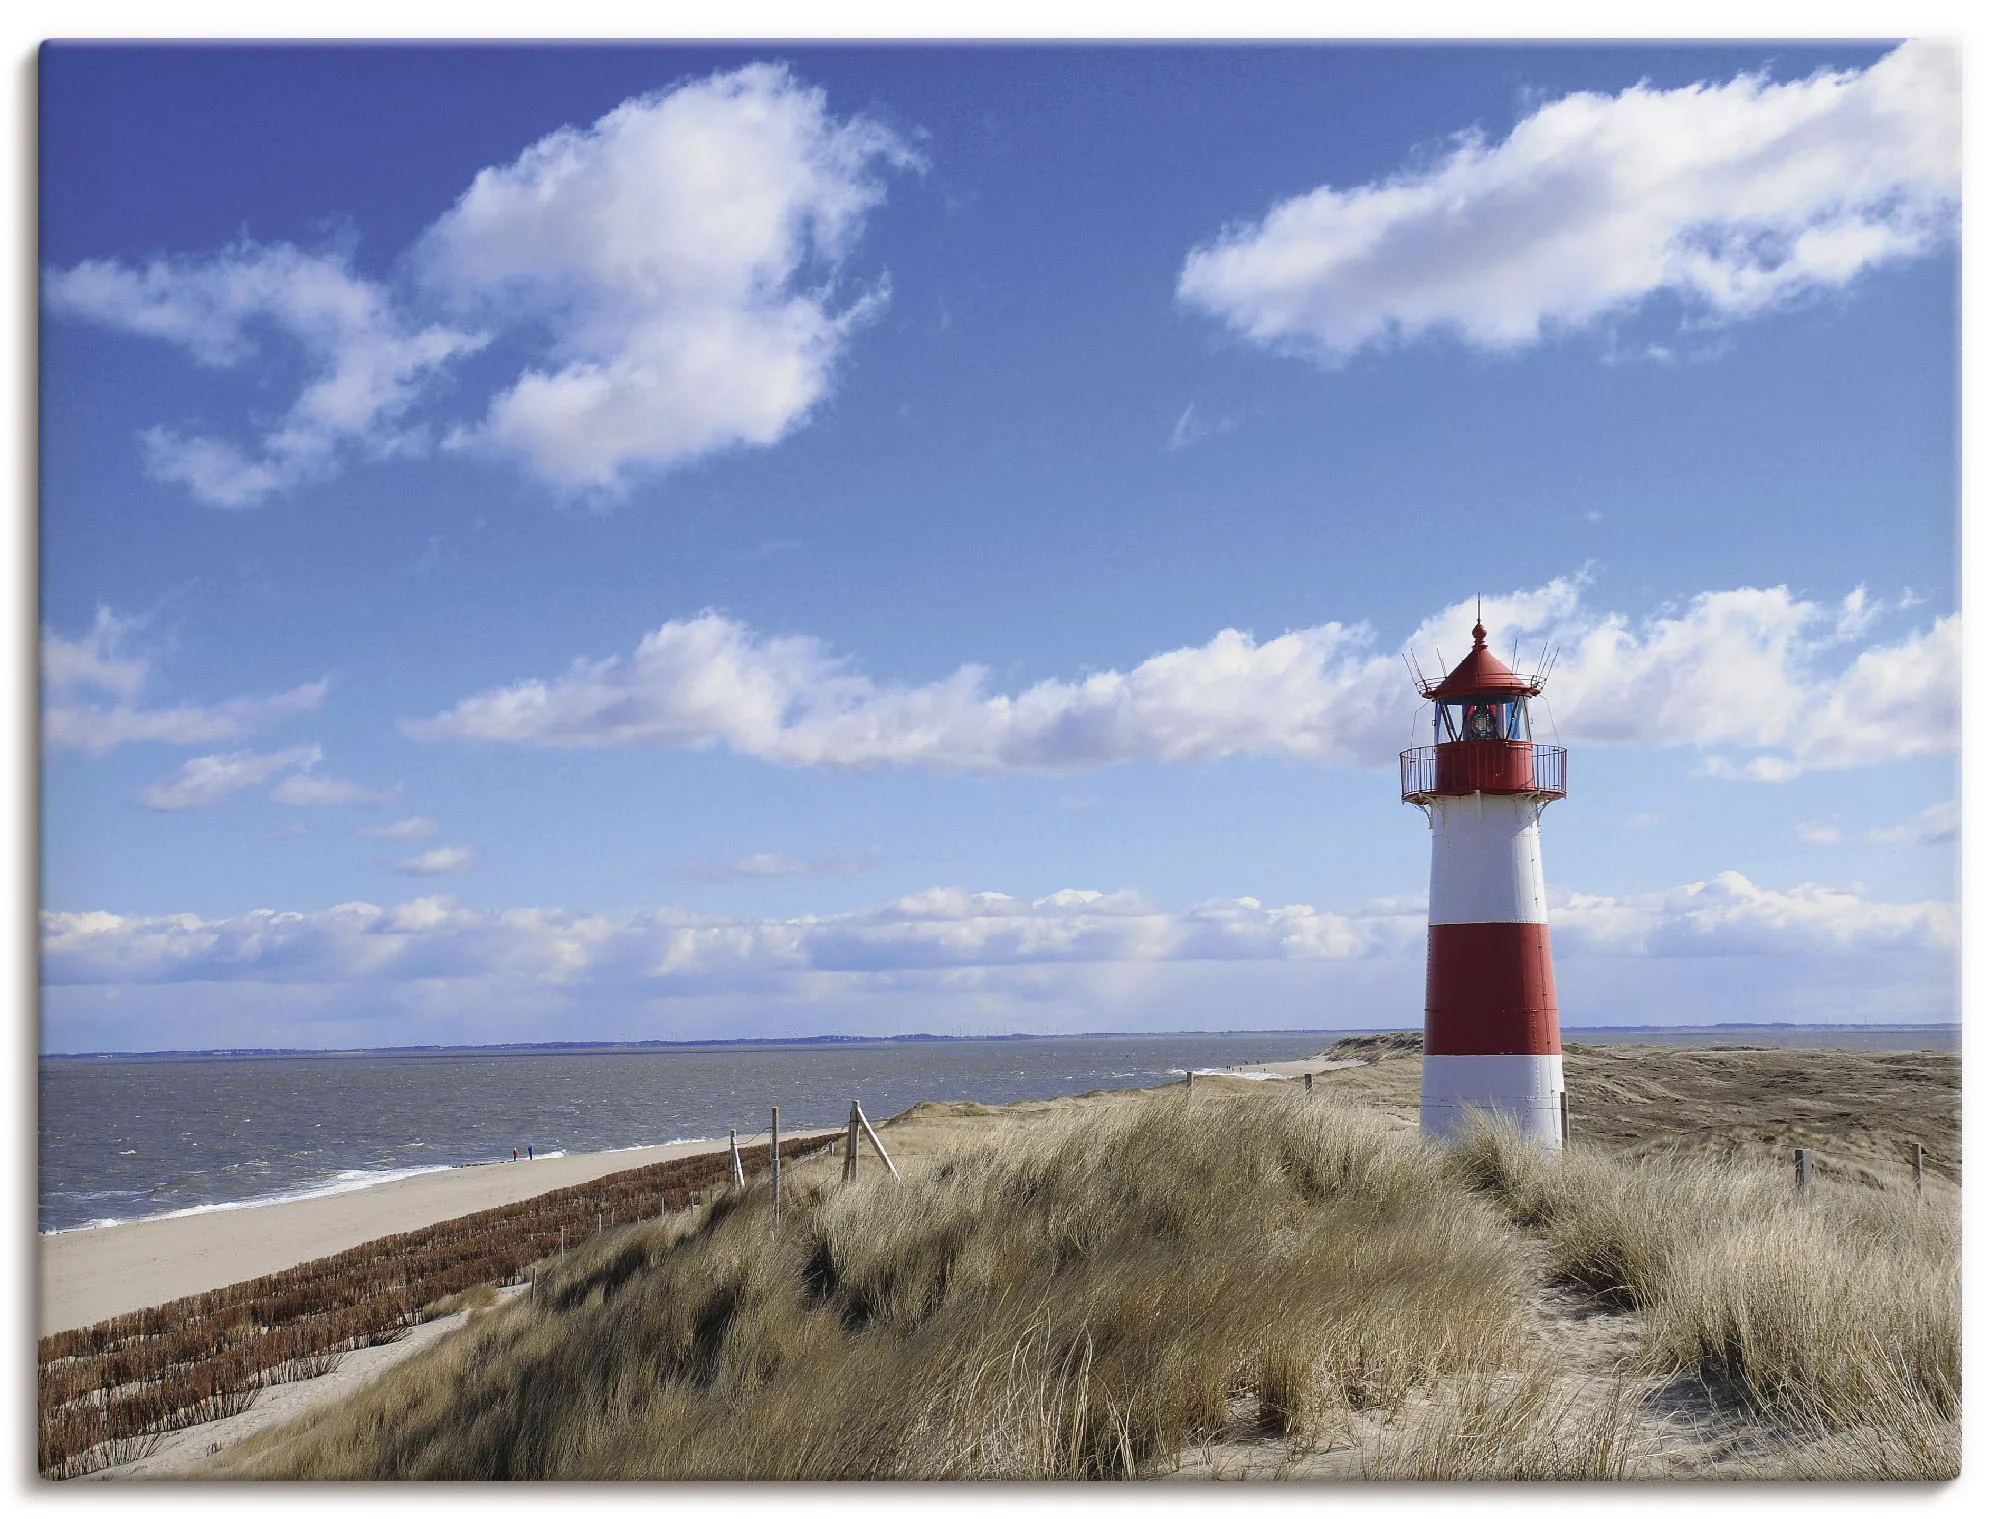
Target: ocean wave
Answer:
[[342, 1181]]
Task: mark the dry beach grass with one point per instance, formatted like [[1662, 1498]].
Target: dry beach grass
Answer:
[[1081, 1299], [1236, 1280]]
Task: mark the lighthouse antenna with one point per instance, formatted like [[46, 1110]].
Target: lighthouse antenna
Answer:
[[1417, 676]]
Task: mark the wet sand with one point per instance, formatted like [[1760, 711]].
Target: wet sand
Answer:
[[91, 1274]]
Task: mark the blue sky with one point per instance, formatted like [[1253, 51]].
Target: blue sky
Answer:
[[676, 542]]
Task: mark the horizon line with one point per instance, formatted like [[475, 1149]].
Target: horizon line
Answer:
[[561, 1045]]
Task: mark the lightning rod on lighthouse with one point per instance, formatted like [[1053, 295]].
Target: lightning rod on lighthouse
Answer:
[[1491, 1041]]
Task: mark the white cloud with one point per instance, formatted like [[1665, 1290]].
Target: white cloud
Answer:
[[445, 860], [1731, 915], [680, 256], [1190, 428], [670, 951], [366, 363], [1732, 669], [325, 791], [98, 729], [95, 659], [1936, 824], [404, 830], [208, 778], [773, 866], [1816, 833], [1732, 198], [98, 661], [672, 271]]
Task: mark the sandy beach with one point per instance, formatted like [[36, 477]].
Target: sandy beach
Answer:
[[90, 1274]]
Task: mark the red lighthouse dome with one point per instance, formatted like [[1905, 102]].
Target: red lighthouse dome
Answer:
[[1483, 735]]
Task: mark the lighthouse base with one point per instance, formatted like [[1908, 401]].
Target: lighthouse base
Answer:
[[1525, 1090]]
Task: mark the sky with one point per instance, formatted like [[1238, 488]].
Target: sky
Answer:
[[692, 542]]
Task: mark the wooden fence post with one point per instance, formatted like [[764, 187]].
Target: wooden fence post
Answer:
[[736, 1181], [1917, 1165], [1563, 1098], [1802, 1170], [1309, 1083], [852, 1170], [776, 1194], [876, 1140], [1188, 1082]]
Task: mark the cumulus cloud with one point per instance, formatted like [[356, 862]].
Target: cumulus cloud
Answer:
[[78, 674], [366, 362], [445, 860], [404, 830], [208, 778], [671, 951], [1731, 915], [1744, 670], [1731, 198], [673, 273], [679, 254]]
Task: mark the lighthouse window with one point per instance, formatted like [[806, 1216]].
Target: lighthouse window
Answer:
[[1480, 720]]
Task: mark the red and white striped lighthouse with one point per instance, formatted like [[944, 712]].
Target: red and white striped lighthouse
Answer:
[[1490, 1036]]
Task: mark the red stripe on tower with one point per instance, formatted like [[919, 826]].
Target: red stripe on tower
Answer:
[[1490, 989]]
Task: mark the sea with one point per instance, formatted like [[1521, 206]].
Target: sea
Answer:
[[125, 1137]]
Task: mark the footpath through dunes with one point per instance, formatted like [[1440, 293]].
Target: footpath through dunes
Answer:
[[1228, 1278]]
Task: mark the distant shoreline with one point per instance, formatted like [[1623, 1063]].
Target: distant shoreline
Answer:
[[607, 1046]]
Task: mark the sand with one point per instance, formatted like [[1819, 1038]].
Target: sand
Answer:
[[91, 1274], [177, 1454], [1286, 1070]]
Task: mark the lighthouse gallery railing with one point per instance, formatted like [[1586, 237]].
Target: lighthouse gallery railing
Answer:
[[1496, 766]]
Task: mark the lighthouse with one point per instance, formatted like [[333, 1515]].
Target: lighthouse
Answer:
[[1491, 1043]]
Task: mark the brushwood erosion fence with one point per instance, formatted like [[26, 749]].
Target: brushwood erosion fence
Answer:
[[106, 1394]]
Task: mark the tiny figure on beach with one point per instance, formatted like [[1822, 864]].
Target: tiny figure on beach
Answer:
[[517, 1154], [531, 1152]]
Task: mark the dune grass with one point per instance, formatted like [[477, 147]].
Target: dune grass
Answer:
[[1836, 1312], [1120, 1287], [1085, 1300]]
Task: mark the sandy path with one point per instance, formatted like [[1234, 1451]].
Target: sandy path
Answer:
[[90, 1274], [179, 1453]]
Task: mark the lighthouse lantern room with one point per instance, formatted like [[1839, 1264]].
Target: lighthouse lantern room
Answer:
[[1491, 1042]]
